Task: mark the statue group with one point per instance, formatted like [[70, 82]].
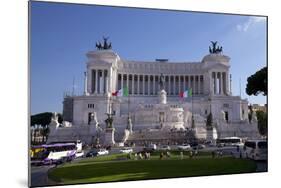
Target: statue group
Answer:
[[109, 121], [214, 49], [105, 45]]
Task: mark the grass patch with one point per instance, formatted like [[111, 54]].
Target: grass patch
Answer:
[[99, 170]]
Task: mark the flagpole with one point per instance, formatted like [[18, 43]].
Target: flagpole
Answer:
[[128, 103], [192, 109]]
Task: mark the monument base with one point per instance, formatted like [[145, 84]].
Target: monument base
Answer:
[[109, 136]]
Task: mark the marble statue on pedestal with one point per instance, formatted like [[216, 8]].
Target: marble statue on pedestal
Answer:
[[54, 121]]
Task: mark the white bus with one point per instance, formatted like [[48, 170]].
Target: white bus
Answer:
[[52, 153], [230, 141], [255, 149]]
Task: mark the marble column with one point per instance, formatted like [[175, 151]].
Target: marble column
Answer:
[[199, 84], [211, 83], [102, 82], [110, 81], [143, 84], [179, 79], [215, 82], [105, 81], [227, 83], [221, 83], [133, 84], [138, 84], [169, 85], [148, 84], [184, 87], [92, 81], [153, 89], [193, 84], [96, 82], [127, 75], [85, 84], [122, 79], [189, 82], [174, 86]]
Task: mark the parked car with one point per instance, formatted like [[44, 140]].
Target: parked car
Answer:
[[164, 148], [201, 146], [184, 147], [102, 152], [97, 152], [126, 150], [92, 153], [220, 145], [79, 154], [150, 148]]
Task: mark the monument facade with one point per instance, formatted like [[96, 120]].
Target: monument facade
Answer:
[[153, 108]]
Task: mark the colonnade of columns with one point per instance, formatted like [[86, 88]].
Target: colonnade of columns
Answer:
[[99, 81], [139, 84], [220, 83]]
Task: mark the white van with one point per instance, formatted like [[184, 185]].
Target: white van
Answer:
[[256, 149]]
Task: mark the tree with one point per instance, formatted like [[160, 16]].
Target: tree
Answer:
[[257, 83], [60, 119], [43, 119], [262, 122]]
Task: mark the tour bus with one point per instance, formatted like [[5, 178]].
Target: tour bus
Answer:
[[79, 149], [230, 141], [54, 152], [255, 149]]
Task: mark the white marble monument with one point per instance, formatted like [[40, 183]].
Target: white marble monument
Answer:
[[157, 112]]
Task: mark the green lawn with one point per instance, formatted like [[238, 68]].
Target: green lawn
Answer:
[[117, 168]]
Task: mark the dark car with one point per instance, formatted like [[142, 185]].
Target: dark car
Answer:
[[92, 153], [150, 148], [194, 145]]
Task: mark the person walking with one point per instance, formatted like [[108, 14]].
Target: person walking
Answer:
[[181, 154]]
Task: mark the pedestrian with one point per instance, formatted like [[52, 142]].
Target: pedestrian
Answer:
[[168, 154], [213, 154], [195, 152], [161, 155], [190, 154], [129, 156], [140, 155], [181, 154], [237, 148], [148, 155]]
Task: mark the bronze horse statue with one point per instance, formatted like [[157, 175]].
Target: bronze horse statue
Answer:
[[214, 49], [105, 45]]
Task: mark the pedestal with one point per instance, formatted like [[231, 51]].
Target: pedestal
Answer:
[[109, 136], [162, 97], [212, 135]]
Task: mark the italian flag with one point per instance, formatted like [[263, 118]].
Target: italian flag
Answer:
[[186, 93], [121, 92]]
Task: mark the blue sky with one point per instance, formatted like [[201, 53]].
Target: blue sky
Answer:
[[61, 35]]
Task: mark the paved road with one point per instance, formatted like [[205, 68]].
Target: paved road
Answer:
[[39, 175], [262, 166]]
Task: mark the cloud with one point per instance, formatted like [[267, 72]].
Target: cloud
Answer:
[[250, 22]]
